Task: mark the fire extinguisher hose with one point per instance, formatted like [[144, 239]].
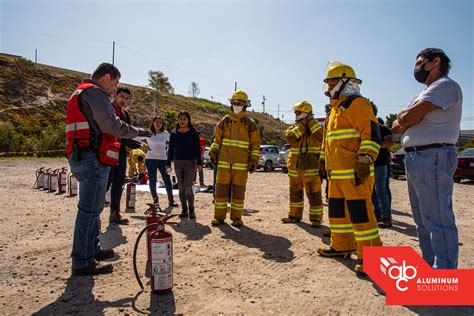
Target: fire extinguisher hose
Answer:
[[135, 270]]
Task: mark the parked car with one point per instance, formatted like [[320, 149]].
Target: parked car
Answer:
[[283, 157], [465, 169], [397, 164], [206, 161], [268, 157]]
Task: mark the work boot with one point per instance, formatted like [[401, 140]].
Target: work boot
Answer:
[[291, 219], [184, 213], [116, 218], [97, 268], [316, 223], [104, 254], [237, 223], [326, 251], [327, 233], [359, 268], [217, 222], [385, 222], [192, 214]]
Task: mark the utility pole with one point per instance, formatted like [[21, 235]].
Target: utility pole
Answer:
[[36, 56], [235, 86], [113, 52], [263, 103], [278, 115]]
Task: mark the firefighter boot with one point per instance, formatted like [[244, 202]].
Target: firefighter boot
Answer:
[[316, 223], [116, 218], [192, 214], [331, 252], [237, 222], [291, 219], [359, 268], [327, 233], [217, 222]]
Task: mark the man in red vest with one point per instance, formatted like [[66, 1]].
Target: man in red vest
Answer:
[[92, 128]]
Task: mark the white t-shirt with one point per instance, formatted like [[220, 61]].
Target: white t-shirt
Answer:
[[158, 146], [441, 125]]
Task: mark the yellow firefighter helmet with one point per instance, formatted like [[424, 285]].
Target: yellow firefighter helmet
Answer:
[[240, 95], [303, 107], [336, 69]]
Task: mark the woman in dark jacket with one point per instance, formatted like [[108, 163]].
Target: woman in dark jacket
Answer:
[[185, 152]]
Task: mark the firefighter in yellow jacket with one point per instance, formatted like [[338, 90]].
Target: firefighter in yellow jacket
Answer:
[[351, 145], [303, 165], [236, 150], [136, 163]]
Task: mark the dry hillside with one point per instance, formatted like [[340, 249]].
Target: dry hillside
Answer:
[[33, 97]]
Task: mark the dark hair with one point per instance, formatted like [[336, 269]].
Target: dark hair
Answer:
[[106, 69], [381, 122], [185, 113], [152, 126], [432, 53], [124, 90]]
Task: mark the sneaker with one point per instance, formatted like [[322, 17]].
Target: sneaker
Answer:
[[98, 268], [104, 254], [217, 222], [172, 203], [316, 223], [326, 251], [184, 214], [237, 223]]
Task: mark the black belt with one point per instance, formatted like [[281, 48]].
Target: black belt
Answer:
[[417, 148]]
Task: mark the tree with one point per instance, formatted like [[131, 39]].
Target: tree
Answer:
[[194, 89], [170, 119], [158, 81], [389, 119]]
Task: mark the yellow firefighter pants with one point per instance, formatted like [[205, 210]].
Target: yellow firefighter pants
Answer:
[[312, 186], [236, 180], [351, 215]]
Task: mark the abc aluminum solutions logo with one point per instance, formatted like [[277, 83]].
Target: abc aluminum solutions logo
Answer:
[[408, 280]]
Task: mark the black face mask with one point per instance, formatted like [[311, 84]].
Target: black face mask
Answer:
[[421, 75]]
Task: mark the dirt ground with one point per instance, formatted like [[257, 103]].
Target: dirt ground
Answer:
[[264, 267]]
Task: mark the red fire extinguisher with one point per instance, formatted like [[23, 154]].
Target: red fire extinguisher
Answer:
[[53, 180], [62, 180], [131, 197], [47, 176], [160, 254], [72, 184], [39, 178]]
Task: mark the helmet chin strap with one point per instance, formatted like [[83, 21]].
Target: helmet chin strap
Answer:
[[335, 93]]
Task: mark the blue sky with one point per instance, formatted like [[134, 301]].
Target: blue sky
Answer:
[[274, 48]]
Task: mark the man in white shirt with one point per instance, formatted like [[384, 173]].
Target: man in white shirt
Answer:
[[430, 130]]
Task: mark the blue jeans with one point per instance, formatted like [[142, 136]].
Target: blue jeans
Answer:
[[152, 167], [430, 187], [92, 177], [382, 199]]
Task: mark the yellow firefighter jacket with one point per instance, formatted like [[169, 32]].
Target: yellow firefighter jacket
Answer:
[[350, 130], [237, 141], [305, 148], [133, 161]]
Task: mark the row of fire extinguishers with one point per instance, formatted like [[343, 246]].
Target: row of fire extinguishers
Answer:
[[159, 240], [52, 180]]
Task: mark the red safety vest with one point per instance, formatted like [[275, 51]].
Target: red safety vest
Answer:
[[77, 129]]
